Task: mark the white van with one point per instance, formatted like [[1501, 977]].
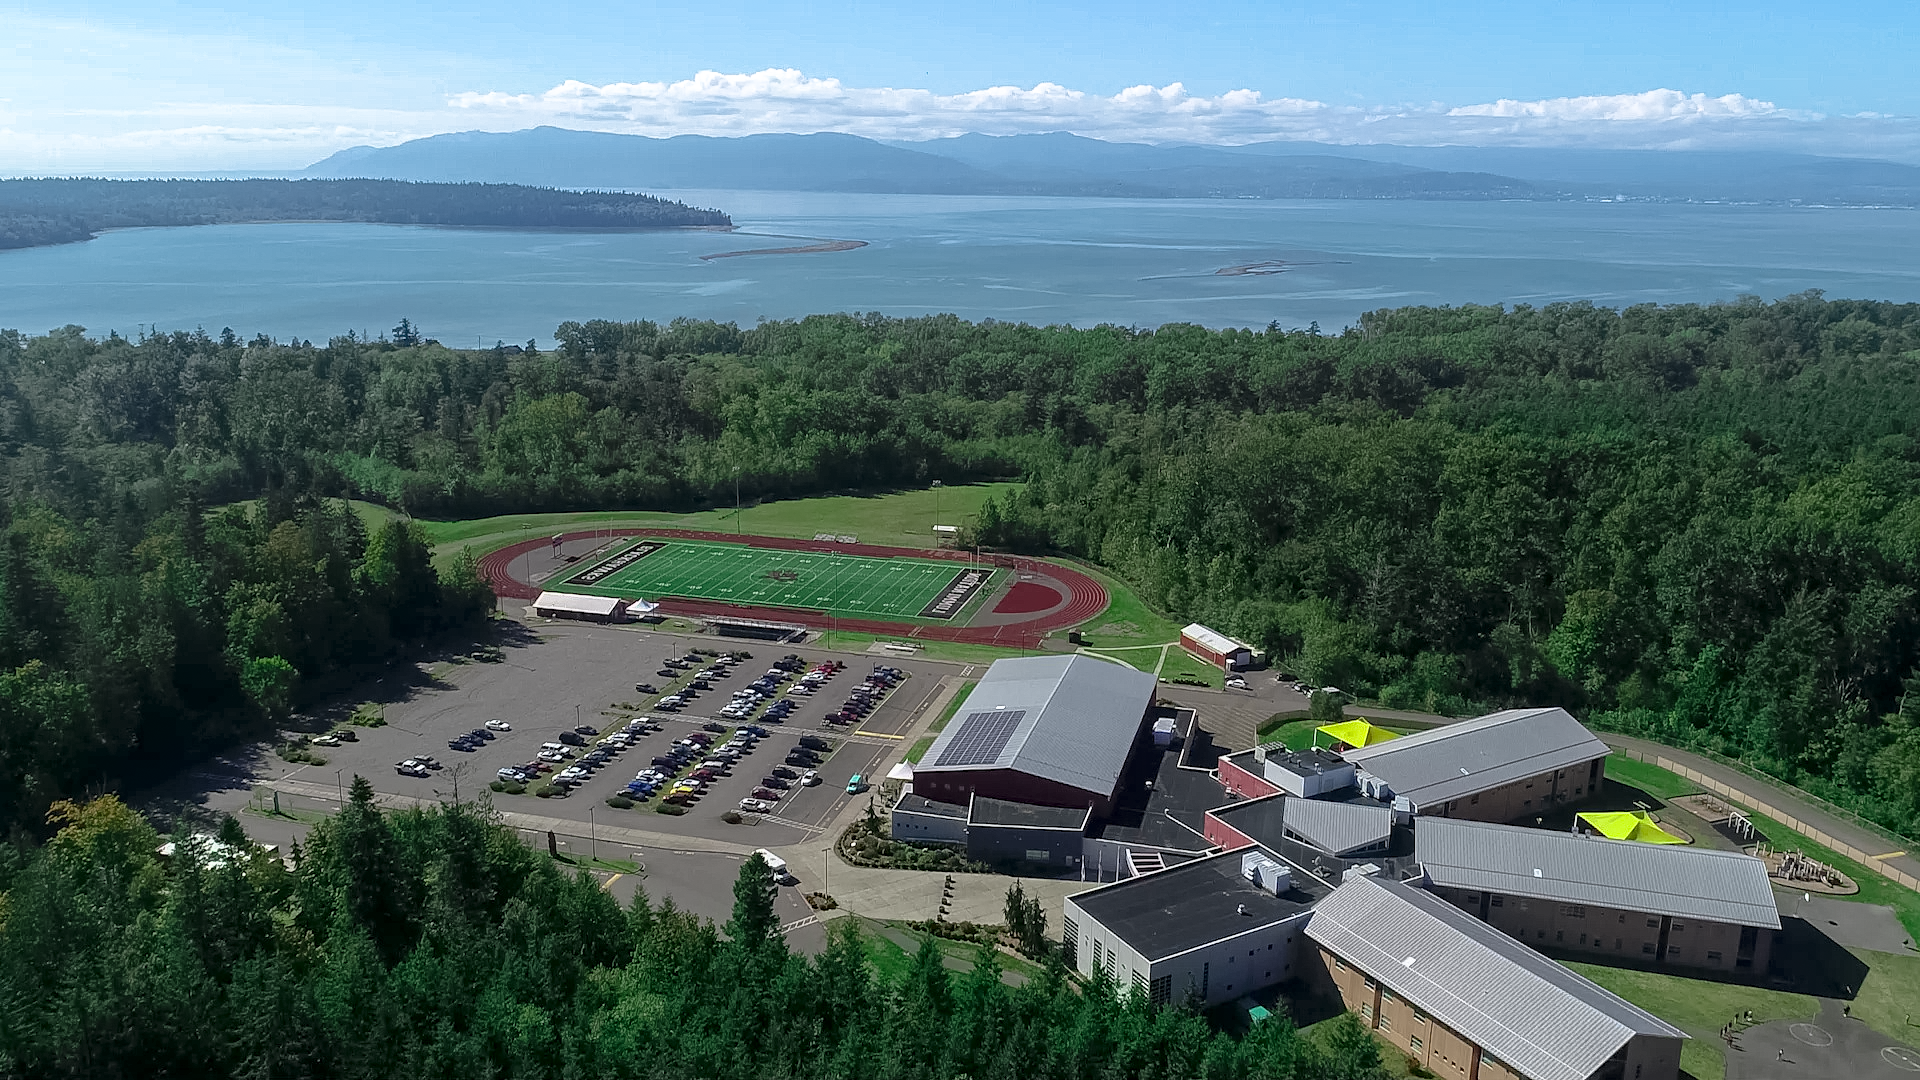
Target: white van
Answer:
[[778, 865]]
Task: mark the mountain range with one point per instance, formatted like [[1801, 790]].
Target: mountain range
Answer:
[[1064, 164]]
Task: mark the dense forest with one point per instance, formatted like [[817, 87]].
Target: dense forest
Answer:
[[435, 944], [37, 212], [1697, 522]]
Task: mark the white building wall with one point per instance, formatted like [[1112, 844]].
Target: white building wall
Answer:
[[928, 828], [1218, 971]]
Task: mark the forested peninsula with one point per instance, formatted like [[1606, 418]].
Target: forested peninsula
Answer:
[[1701, 523], [59, 211]]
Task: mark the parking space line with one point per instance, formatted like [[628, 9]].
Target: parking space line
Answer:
[[607, 885]]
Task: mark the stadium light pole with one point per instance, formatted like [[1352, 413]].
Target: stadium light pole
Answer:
[[936, 504], [736, 500]]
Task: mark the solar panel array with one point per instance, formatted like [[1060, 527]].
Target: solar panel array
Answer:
[[981, 737]]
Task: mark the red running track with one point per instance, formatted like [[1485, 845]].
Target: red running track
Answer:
[[1026, 596], [1089, 597]]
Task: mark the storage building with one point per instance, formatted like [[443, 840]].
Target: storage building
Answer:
[[1047, 730], [1009, 832], [1466, 1002], [1216, 648], [1499, 767], [1660, 903], [1217, 927], [602, 609]]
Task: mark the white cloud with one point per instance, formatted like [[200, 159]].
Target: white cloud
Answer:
[[1652, 105], [783, 99]]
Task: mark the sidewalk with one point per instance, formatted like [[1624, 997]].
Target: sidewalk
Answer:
[[1782, 804]]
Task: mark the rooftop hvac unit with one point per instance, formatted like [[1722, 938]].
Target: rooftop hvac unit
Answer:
[[1267, 873], [1375, 788], [1362, 870], [1402, 810], [1163, 732], [1260, 752]]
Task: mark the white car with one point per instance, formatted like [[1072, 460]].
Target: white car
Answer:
[[499, 725], [755, 806], [411, 768], [326, 740], [809, 778], [549, 755]]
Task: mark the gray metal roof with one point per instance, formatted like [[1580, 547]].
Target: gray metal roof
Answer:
[[1337, 827], [1478, 755], [1538, 1017], [1668, 879], [1082, 719], [1192, 904]]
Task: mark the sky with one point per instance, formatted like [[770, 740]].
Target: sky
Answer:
[[109, 85]]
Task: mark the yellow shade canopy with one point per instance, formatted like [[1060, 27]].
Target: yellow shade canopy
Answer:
[[1356, 733], [1629, 825]]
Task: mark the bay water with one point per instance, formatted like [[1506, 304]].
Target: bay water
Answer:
[[1039, 260]]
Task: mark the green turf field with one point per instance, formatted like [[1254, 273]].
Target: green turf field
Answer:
[[847, 585]]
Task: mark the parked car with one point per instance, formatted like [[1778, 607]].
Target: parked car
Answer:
[[411, 768], [765, 793], [775, 783], [461, 745], [701, 684], [713, 725], [645, 688], [801, 760], [755, 730], [572, 738], [499, 725], [587, 729], [815, 742], [755, 806], [550, 755], [809, 778], [326, 740], [481, 734], [782, 770]]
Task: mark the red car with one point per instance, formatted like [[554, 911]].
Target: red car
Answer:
[[766, 793]]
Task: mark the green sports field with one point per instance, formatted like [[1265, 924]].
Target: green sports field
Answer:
[[848, 585]]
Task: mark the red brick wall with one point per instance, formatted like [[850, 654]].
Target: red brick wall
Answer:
[[1245, 784], [1222, 835]]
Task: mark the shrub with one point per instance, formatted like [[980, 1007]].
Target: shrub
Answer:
[[670, 809], [732, 817], [619, 802], [516, 789], [498, 785], [369, 714]]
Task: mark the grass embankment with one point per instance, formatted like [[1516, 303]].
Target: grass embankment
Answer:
[[1874, 888], [1179, 664], [892, 961], [919, 748], [1700, 1007], [904, 518], [1127, 621], [1295, 731]]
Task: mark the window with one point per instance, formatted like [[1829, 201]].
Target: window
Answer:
[[1160, 991], [1414, 1044], [1713, 955], [1647, 948], [1574, 911], [1559, 935], [1070, 941], [1475, 801], [1386, 1022], [1339, 964], [1623, 918], [1616, 944], [1367, 981], [1366, 1011], [1673, 950], [1206, 972], [1419, 1017], [1583, 939], [1387, 996], [1677, 927], [1653, 924], [1499, 901], [1139, 982]]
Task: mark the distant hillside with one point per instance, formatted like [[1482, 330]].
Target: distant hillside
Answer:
[[562, 158], [36, 212], [1056, 164]]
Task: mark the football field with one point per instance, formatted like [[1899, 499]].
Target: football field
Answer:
[[850, 585]]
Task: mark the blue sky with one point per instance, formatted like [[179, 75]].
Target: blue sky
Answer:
[[229, 84]]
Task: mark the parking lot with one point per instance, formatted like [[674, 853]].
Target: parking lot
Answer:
[[568, 675]]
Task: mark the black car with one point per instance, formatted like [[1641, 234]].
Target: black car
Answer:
[[783, 771], [572, 738], [802, 761], [587, 729], [775, 782], [666, 673], [480, 735], [713, 725], [755, 730], [700, 684], [664, 761], [644, 688], [460, 744]]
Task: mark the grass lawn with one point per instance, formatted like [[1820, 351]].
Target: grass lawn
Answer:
[[891, 962], [1295, 731], [904, 519], [1874, 888], [952, 651], [1127, 620], [1699, 1007], [1179, 664], [1890, 995], [583, 862], [919, 749]]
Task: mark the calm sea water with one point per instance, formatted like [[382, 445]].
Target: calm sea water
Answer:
[[1081, 261]]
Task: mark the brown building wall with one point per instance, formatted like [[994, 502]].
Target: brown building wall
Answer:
[[1451, 1056], [1531, 796], [1634, 935]]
